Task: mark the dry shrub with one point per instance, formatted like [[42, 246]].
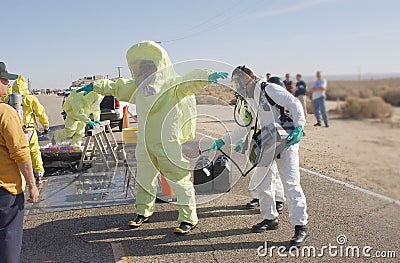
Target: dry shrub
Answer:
[[388, 89], [373, 107], [336, 93], [204, 99], [218, 92], [366, 93], [382, 90], [392, 96]]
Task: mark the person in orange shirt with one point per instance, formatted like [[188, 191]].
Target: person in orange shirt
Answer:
[[15, 173]]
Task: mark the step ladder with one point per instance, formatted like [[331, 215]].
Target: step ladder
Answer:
[[102, 148]]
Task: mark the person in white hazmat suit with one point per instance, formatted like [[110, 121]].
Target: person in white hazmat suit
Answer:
[[287, 161], [259, 172], [166, 110]]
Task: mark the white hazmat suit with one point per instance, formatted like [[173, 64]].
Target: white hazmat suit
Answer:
[[288, 160]]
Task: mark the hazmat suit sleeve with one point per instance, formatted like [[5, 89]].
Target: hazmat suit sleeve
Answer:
[[283, 98], [67, 105], [95, 108], [122, 89], [79, 115], [75, 107], [96, 114], [193, 81], [40, 112], [236, 135]]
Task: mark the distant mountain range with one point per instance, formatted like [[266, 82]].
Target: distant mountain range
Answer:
[[363, 76]]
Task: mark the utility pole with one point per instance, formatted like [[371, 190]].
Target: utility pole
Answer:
[[119, 71], [29, 85]]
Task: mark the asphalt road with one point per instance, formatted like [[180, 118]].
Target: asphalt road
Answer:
[[342, 221]]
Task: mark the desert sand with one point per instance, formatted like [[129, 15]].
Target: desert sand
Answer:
[[365, 153]]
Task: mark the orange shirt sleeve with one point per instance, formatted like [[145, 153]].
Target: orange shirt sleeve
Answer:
[[14, 137]]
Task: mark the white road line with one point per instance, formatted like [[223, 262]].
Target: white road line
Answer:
[[121, 252], [354, 187]]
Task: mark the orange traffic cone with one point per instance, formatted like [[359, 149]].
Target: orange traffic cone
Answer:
[[125, 119], [165, 188]]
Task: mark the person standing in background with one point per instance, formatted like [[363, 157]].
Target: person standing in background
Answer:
[[300, 92], [16, 160], [288, 83], [268, 75], [318, 89]]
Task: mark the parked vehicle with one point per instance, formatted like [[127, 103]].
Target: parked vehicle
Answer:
[[111, 109], [36, 92]]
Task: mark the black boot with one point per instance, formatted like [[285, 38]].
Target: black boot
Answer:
[[279, 207], [300, 235], [184, 228], [253, 204], [139, 220], [266, 225]]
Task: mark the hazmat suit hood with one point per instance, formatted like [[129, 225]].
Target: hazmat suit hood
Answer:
[[159, 83], [151, 51], [20, 86], [160, 94]]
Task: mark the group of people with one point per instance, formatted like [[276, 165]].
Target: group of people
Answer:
[[163, 98], [166, 110], [20, 151], [318, 95]]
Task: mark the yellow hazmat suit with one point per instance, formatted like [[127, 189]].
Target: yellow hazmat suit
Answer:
[[166, 110], [32, 109], [78, 109]]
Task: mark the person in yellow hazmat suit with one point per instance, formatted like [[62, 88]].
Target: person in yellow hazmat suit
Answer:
[[31, 109], [78, 109], [166, 110]]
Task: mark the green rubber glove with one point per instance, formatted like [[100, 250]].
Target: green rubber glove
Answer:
[[91, 124], [216, 145], [98, 122], [239, 146], [213, 77], [295, 136], [87, 88]]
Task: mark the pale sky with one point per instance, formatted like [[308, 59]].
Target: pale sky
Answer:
[[53, 42]]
